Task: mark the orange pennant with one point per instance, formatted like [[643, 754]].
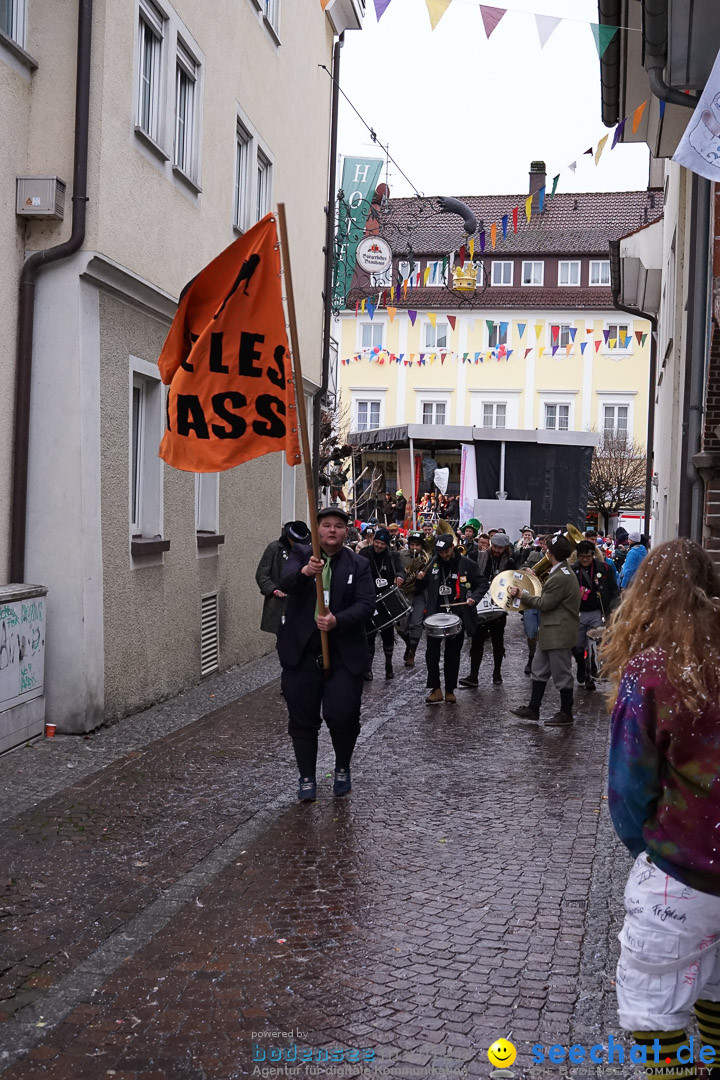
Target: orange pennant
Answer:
[[637, 116], [226, 358], [493, 234]]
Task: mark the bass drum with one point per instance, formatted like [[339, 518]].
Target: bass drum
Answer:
[[390, 607], [486, 609], [443, 625]]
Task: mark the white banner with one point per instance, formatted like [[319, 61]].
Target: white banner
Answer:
[[442, 476], [468, 482], [699, 148]]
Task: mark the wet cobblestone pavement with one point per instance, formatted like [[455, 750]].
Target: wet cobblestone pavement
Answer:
[[174, 903]]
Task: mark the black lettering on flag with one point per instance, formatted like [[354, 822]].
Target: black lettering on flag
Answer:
[[184, 362], [237, 424], [216, 352], [190, 416], [274, 427], [248, 353], [278, 377]]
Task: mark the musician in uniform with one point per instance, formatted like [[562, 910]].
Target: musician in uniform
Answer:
[[414, 558], [452, 584], [490, 564], [599, 595], [559, 606], [386, 571], [310, 696]]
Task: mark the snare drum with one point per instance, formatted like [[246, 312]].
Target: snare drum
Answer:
[[443, 625], [486, 609], [390, 607]]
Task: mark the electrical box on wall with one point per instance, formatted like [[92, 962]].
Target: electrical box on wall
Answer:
[[40, 196]]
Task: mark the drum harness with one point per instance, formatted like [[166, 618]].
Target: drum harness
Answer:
[[444, 596], [381, 564]]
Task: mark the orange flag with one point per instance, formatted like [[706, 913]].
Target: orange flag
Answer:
[[637, 116], [226, 358], [493, 235]]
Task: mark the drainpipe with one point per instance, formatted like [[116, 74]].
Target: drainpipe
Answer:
[[652, 319], [329, 249], [692, 486], [655, 36], [26, 302]]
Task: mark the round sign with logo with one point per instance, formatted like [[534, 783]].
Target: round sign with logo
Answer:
[[374, 255]]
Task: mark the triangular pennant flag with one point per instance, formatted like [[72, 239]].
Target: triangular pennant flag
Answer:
[[357, 305], [442, 360], [508, 354], [472, 247], [452, 319], [638, 115], [362, 306], [381, 7], [590, 330], [324, 4], [623, 338], [482, 242], [598, 343], [644, 339], [412, 315], [528, 207], [504, 226], [618, 133], [662, 109], [426, 275], [493, 234], [400, 357], [541, 350], [521, 329], [555, 184], [465, 356], [572, 166], [444, 266], [405, 287], [412, 354], [541, 199], [515, 217], [600, 148], [606, 335], [545, 26], [583, 347], [371, 308], [422, 358], [555, 335], [433, 319], [613, 342], [555, 349], [539, 327], [392, 311], [477, 357], [503, 329], [568, 347], [572, 330], [603, 36], [491, 16], [527, 353], [639, 336], [461, 254], [436, 10], [489, 323]]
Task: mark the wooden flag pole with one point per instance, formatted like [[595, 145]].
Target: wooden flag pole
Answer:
[[302, 424]]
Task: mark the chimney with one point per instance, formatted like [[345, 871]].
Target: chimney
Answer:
[[537, 176]]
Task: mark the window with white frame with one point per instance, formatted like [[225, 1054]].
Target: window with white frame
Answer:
[[557, 416], [371, 335], [533, 273], [147, 400], [186, 77], [434, 412], [271, 11], [560, 335], [437, 336], [382, 281], [264, 185], [207, 501], [151, 30], [494, 414], [615, 421], [599, 271], [243, 154], [438, 272], [12, 19], [618, 337], [497, 334], [502, 273], [367, 414], [569, 272], [409, 271]]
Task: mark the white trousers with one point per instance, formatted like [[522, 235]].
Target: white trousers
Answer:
[[669, 954]]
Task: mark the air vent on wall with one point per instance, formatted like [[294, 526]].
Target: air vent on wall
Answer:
[[209, 635]]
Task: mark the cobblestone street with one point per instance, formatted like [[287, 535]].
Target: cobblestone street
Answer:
[[166, 900]]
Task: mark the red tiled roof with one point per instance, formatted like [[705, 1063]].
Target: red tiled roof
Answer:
[[497, 298]]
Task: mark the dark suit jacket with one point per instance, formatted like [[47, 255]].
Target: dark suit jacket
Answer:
[[464, 579], [352, 602]]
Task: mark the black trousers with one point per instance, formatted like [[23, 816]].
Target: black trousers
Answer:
[[311, 698], [453, 649], [494, 629], [388, 641]]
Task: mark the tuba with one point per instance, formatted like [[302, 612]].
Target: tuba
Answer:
[[542, 569]]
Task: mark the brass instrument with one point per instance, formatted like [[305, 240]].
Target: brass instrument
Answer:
[[525, 580], [542, 569], [412, 568]]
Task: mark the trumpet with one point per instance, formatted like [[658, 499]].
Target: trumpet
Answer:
[[542, 569]]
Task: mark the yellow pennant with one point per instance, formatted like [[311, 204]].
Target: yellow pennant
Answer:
[[363, 305], [528, 205], [392, 311], [600, 148], [471, 245], [436, 10], [637, 116], [539, 327], [432, 317], [612, 342], [426, 275], [433, 358], [493, 234]]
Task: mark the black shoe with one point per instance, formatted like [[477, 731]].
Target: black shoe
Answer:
[[590, 685], [581, 674], [469, 680], [560, 719], [526, 712], [307, 789], [527, 670], [368, 676], [389, 673], [342, 783], [497, 677]]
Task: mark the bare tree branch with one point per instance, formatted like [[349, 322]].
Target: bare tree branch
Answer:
[[617, 476]]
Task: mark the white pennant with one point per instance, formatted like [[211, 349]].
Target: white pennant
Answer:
[[545, 26]]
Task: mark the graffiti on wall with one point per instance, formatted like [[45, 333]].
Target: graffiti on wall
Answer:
[[22, 647]]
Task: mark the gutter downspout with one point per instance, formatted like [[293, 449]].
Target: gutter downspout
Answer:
[[655, 34], [652, 319], [26, 303], [329, 250]]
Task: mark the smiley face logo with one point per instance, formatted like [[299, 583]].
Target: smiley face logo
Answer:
[[502, 1053]]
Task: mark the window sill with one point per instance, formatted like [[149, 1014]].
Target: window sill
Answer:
[[17, 51], [186, 179], [271, 30], [209, 540], [148, 141], [238, 230], [146, 545]]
